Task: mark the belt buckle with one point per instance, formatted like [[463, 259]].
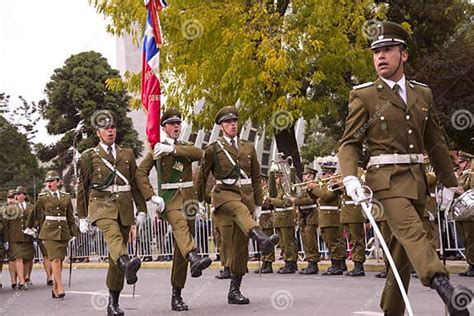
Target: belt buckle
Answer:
[[413, 158]]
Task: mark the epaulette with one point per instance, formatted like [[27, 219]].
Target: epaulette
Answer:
[[364, 85], [418, 83], [42, 193], [182, 142], [63, 192]]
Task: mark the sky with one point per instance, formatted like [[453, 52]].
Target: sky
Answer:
[[36, 37]]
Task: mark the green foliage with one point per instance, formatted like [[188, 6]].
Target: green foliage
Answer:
[[75, 92], [319, 142]]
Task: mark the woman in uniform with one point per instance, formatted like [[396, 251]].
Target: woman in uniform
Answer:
[[57, 226]]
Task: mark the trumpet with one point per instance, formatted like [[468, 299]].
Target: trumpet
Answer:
[[332, 183]]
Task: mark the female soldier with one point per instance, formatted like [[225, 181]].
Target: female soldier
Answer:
[[57, 226]]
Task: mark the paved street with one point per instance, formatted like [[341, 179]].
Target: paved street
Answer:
[[271, 295]]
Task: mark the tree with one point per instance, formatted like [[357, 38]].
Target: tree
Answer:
[[291, 58], [18, 164], [76, 91]]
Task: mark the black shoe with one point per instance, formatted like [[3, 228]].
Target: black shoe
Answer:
[[335, 268], [218, 258], [113, 308], [469, 272], [457, 299], [49, 283], [266, 268], [28, 281], [22, 287], [381, 275], [289, 268], [312, 268], [129, 268], [265, 244], [198, 264], [223, 274], [343, 265], [234, 296], [14, 286], [54, 295], [357, 271], [177, 303]]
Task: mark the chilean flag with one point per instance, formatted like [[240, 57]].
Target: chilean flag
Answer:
[[150, 82]]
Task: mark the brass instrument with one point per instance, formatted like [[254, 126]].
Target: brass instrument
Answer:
[[332, 183], [288, 174]]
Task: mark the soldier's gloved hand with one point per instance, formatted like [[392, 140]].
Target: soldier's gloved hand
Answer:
[[84, 225], [140, 219], [354, 189], [447, 197], [258, 211], [6, 245], [29, 231], [159, 202], [162, 149]]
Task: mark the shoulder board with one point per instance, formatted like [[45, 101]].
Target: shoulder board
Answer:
[[364, 85], [418, 83], [244, 140], [42, 193], [182, 142], [87, 150], [63, 192]]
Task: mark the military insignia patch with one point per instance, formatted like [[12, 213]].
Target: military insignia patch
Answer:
[[178, 166]]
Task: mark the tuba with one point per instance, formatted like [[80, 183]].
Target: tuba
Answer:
[[288, 174]]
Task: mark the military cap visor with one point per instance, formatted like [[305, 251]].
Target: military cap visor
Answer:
[[309, 170], [20, 190], [389, 34], [102, 119], [170, 115], [328, 168], [11, 193], [227, 113], [172, 119]]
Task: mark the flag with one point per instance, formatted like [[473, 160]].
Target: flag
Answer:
[[150, 81]]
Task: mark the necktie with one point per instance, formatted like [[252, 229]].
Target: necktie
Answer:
[[56, 195], [396, 89], [109, 152], [232, 143]]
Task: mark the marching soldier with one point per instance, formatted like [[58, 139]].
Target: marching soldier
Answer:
[[353, 221], [398, 120], [20, 245], [329, 221], [284, 223], [308, 222], [466, 227], [266, 223], [11, 261], [237, 194], [178, 200], [105, 196], [54, 214]]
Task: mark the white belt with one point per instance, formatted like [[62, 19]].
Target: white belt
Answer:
[[117, 188], [282, 209], [177, 185], [349, 203], [329, 208], [390, 159], [237, 182], [305, 207], [55, 218], [265, 212]]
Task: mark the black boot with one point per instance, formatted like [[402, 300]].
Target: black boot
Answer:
[[234, 296], [177, 303], [335, 268], [312, 268], [343, 265], [129, 268], [265, 244], [198, 264], [381, 275], [469, 272], [266, 268], [457, 299], [358, 270], [113, 308], [223, 274], [289, 268]]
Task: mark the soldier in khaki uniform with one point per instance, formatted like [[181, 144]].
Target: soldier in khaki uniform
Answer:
[[466, 227], [266, 223], [398, 120], [329, 221], [284, 223], [11, 260], [236, 194], [353, 221], [308, 222], [20, 245], [177, 201], [105, 196], [54, 213]]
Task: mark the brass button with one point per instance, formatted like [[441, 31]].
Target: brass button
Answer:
[[382, 118], [410, 131], [411, 146], [407, 117]]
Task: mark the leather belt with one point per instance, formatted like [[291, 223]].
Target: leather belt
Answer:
[[177, 185], [117, 188], [55, 218], [282, 209], [329, 208], [393, 159], [305, 207], [237, 182]]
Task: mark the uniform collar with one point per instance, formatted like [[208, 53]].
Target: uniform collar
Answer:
[[104, 147], [170, 140], [228, 139], [401, 83]]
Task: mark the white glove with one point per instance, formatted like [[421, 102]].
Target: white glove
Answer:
[[140, 219], [353, 187], [258, 210], [84, 226], [29, 231], [161, 149], [447, 198], [6, 245], [159, 202]]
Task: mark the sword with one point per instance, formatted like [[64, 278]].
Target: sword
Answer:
[[70, 260], [136, 255], [367, 208]]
